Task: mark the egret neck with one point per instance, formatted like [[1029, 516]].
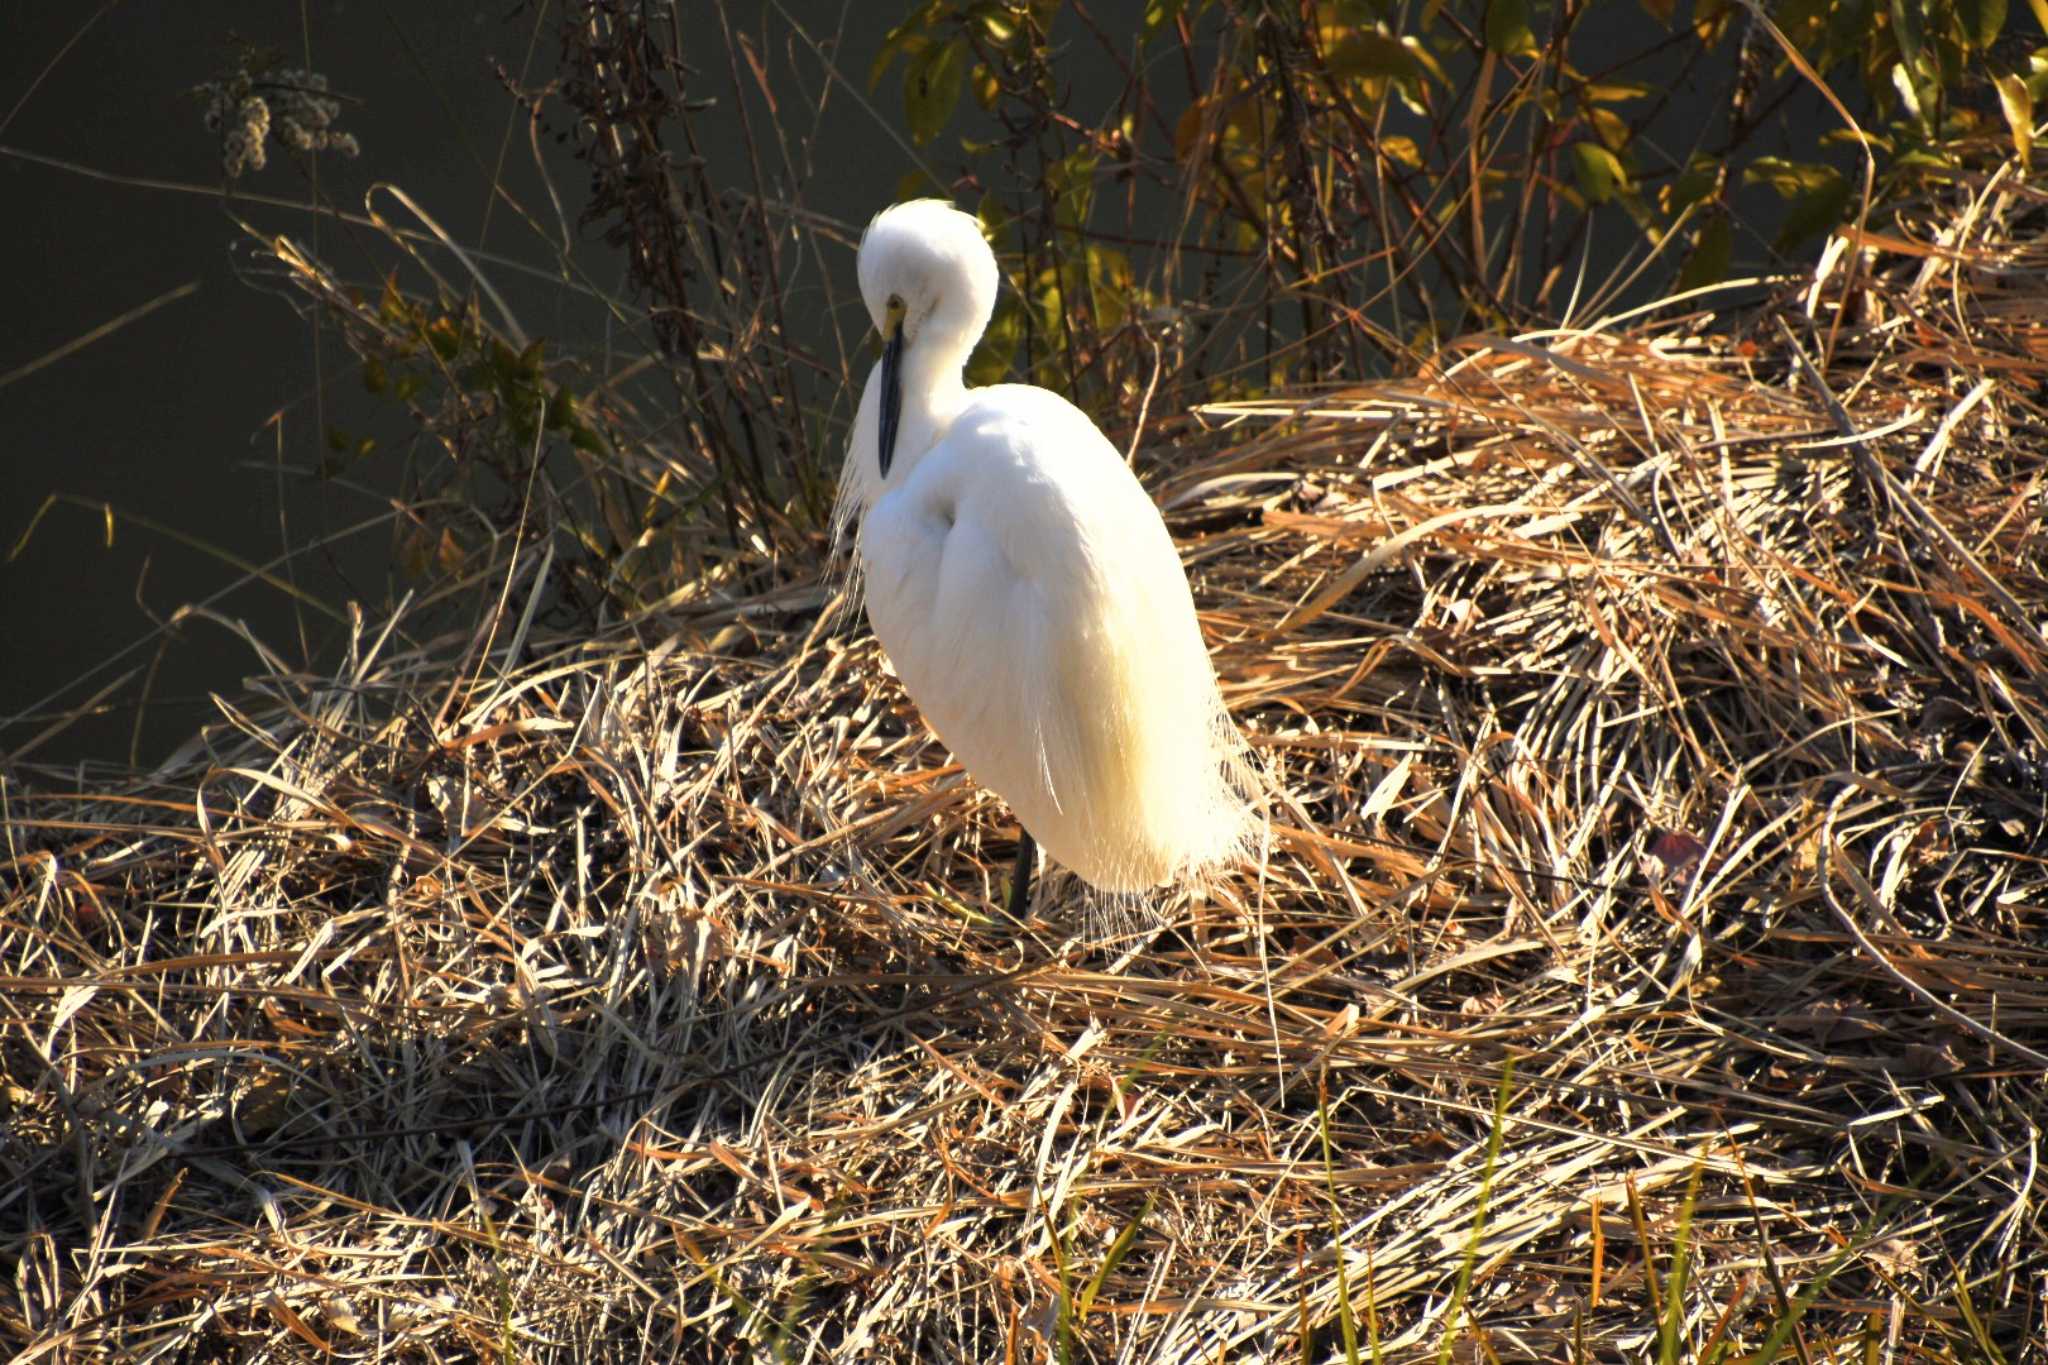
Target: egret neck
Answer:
[[923, 384]]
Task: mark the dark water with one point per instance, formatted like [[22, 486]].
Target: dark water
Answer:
[[203, 415], [186, 415]]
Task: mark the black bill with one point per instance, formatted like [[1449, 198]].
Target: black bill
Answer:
[[892, 396]]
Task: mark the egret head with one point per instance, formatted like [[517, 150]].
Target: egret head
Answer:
[[929, 282]]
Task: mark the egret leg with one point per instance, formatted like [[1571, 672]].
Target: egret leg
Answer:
[[1020, 876]]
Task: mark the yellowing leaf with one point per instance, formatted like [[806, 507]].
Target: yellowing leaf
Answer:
[[1612, 128], [2018, 103], [1366, 52], [1909, 94], [1507, 28], [1188, 128], [1160, 13], [1403, 150], [914, 184], [448, 553], [1711, 18], [1790, 178]]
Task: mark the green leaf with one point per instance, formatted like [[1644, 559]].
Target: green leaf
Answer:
[[899, 43], [504, 365], [1698, 180], [1847, 33], [561, 414], [1425, 58], [445, 337], [1507, 28], [1801, 21], [1818, 195], [907, 39], [1907, 28], [989, 213], [1708, 263], [931, 88], [1982, 21], [1812, 213], [1599, 172], [990, 363], [1070, 183]]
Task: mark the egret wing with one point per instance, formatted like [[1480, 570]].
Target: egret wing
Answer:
[[1032, 602]]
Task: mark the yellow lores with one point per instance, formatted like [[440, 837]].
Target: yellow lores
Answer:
[[1025, 587]]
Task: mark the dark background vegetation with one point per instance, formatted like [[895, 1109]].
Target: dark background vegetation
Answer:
[[208, 414], [1137, 162], [204, 414]]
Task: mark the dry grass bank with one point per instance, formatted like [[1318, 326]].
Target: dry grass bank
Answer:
[[1657, 712]]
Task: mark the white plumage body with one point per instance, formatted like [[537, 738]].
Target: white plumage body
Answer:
[[1026, 590]]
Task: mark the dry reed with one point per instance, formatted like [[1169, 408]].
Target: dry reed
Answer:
[[1658, 707]]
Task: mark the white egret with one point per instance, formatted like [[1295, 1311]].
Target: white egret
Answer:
[[1025, 587]]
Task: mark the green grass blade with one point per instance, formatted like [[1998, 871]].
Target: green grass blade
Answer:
[[1117, 1250], [1493, 1138], [1347, 1321], [1672, 1326]]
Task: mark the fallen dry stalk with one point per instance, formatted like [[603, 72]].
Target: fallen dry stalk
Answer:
[[1633, 726]]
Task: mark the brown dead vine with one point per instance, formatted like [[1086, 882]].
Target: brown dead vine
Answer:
[[1657, 707]]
